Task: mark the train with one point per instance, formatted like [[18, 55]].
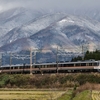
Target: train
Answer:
[[55, 67]]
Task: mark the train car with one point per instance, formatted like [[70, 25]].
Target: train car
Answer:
[[64, 67], [80, 66]]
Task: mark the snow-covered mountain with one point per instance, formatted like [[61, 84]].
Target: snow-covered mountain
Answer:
[[24, 29], [16, 17], [30, 28]]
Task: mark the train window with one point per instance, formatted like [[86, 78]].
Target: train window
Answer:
[[20, 67], [51, 66], [95, 64], [60, 65], [45, 66], [35, 66], [26, 66], [87, 64], [6, 67], [77, 64], [55, 65], [64, 65], [83, 64], [71, 65], [42, 66], [15, 68], [90, 64]]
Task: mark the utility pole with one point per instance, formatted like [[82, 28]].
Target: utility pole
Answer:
[[30, 61], [23, 64], [10, 61], [57, 59], [82, 53], [0, 60], [34, 57]]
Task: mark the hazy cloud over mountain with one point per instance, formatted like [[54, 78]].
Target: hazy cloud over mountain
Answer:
[[51, 4]]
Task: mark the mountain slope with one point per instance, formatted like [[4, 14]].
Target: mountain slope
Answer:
[[15, 18], [30, 28], [52, 31]]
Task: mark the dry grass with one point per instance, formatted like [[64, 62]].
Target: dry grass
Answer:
[[95, 95], [88, 86], [30, 95]]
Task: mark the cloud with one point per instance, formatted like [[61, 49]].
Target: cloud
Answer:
[[50, 4]]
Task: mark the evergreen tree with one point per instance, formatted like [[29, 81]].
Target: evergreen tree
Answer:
[[89, 55]]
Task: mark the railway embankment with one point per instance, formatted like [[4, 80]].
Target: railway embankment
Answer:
[[70, 86], [48, 80]]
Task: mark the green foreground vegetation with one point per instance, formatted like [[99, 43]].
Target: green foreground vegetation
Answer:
[[85, 95]]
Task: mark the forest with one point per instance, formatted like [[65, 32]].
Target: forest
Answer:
[[95, 55]]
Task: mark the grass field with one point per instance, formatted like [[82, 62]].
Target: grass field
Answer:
[[50, 94], [30, 94], [85, 95], [66, 96], [95, 95]]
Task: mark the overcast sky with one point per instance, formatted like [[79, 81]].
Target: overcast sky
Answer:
[[51, 4]]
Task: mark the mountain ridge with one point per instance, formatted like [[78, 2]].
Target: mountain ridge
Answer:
[[59, 29]]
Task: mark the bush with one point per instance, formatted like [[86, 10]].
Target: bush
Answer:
[[48, 81], [18, 80], [91, 78], [4, 80]]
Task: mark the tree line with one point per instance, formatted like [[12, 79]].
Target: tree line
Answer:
[[88, 55]]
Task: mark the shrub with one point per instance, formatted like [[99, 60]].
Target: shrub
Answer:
[[4, 79]]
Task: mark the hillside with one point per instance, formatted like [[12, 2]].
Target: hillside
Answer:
[[22, 29], [58, 29]]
